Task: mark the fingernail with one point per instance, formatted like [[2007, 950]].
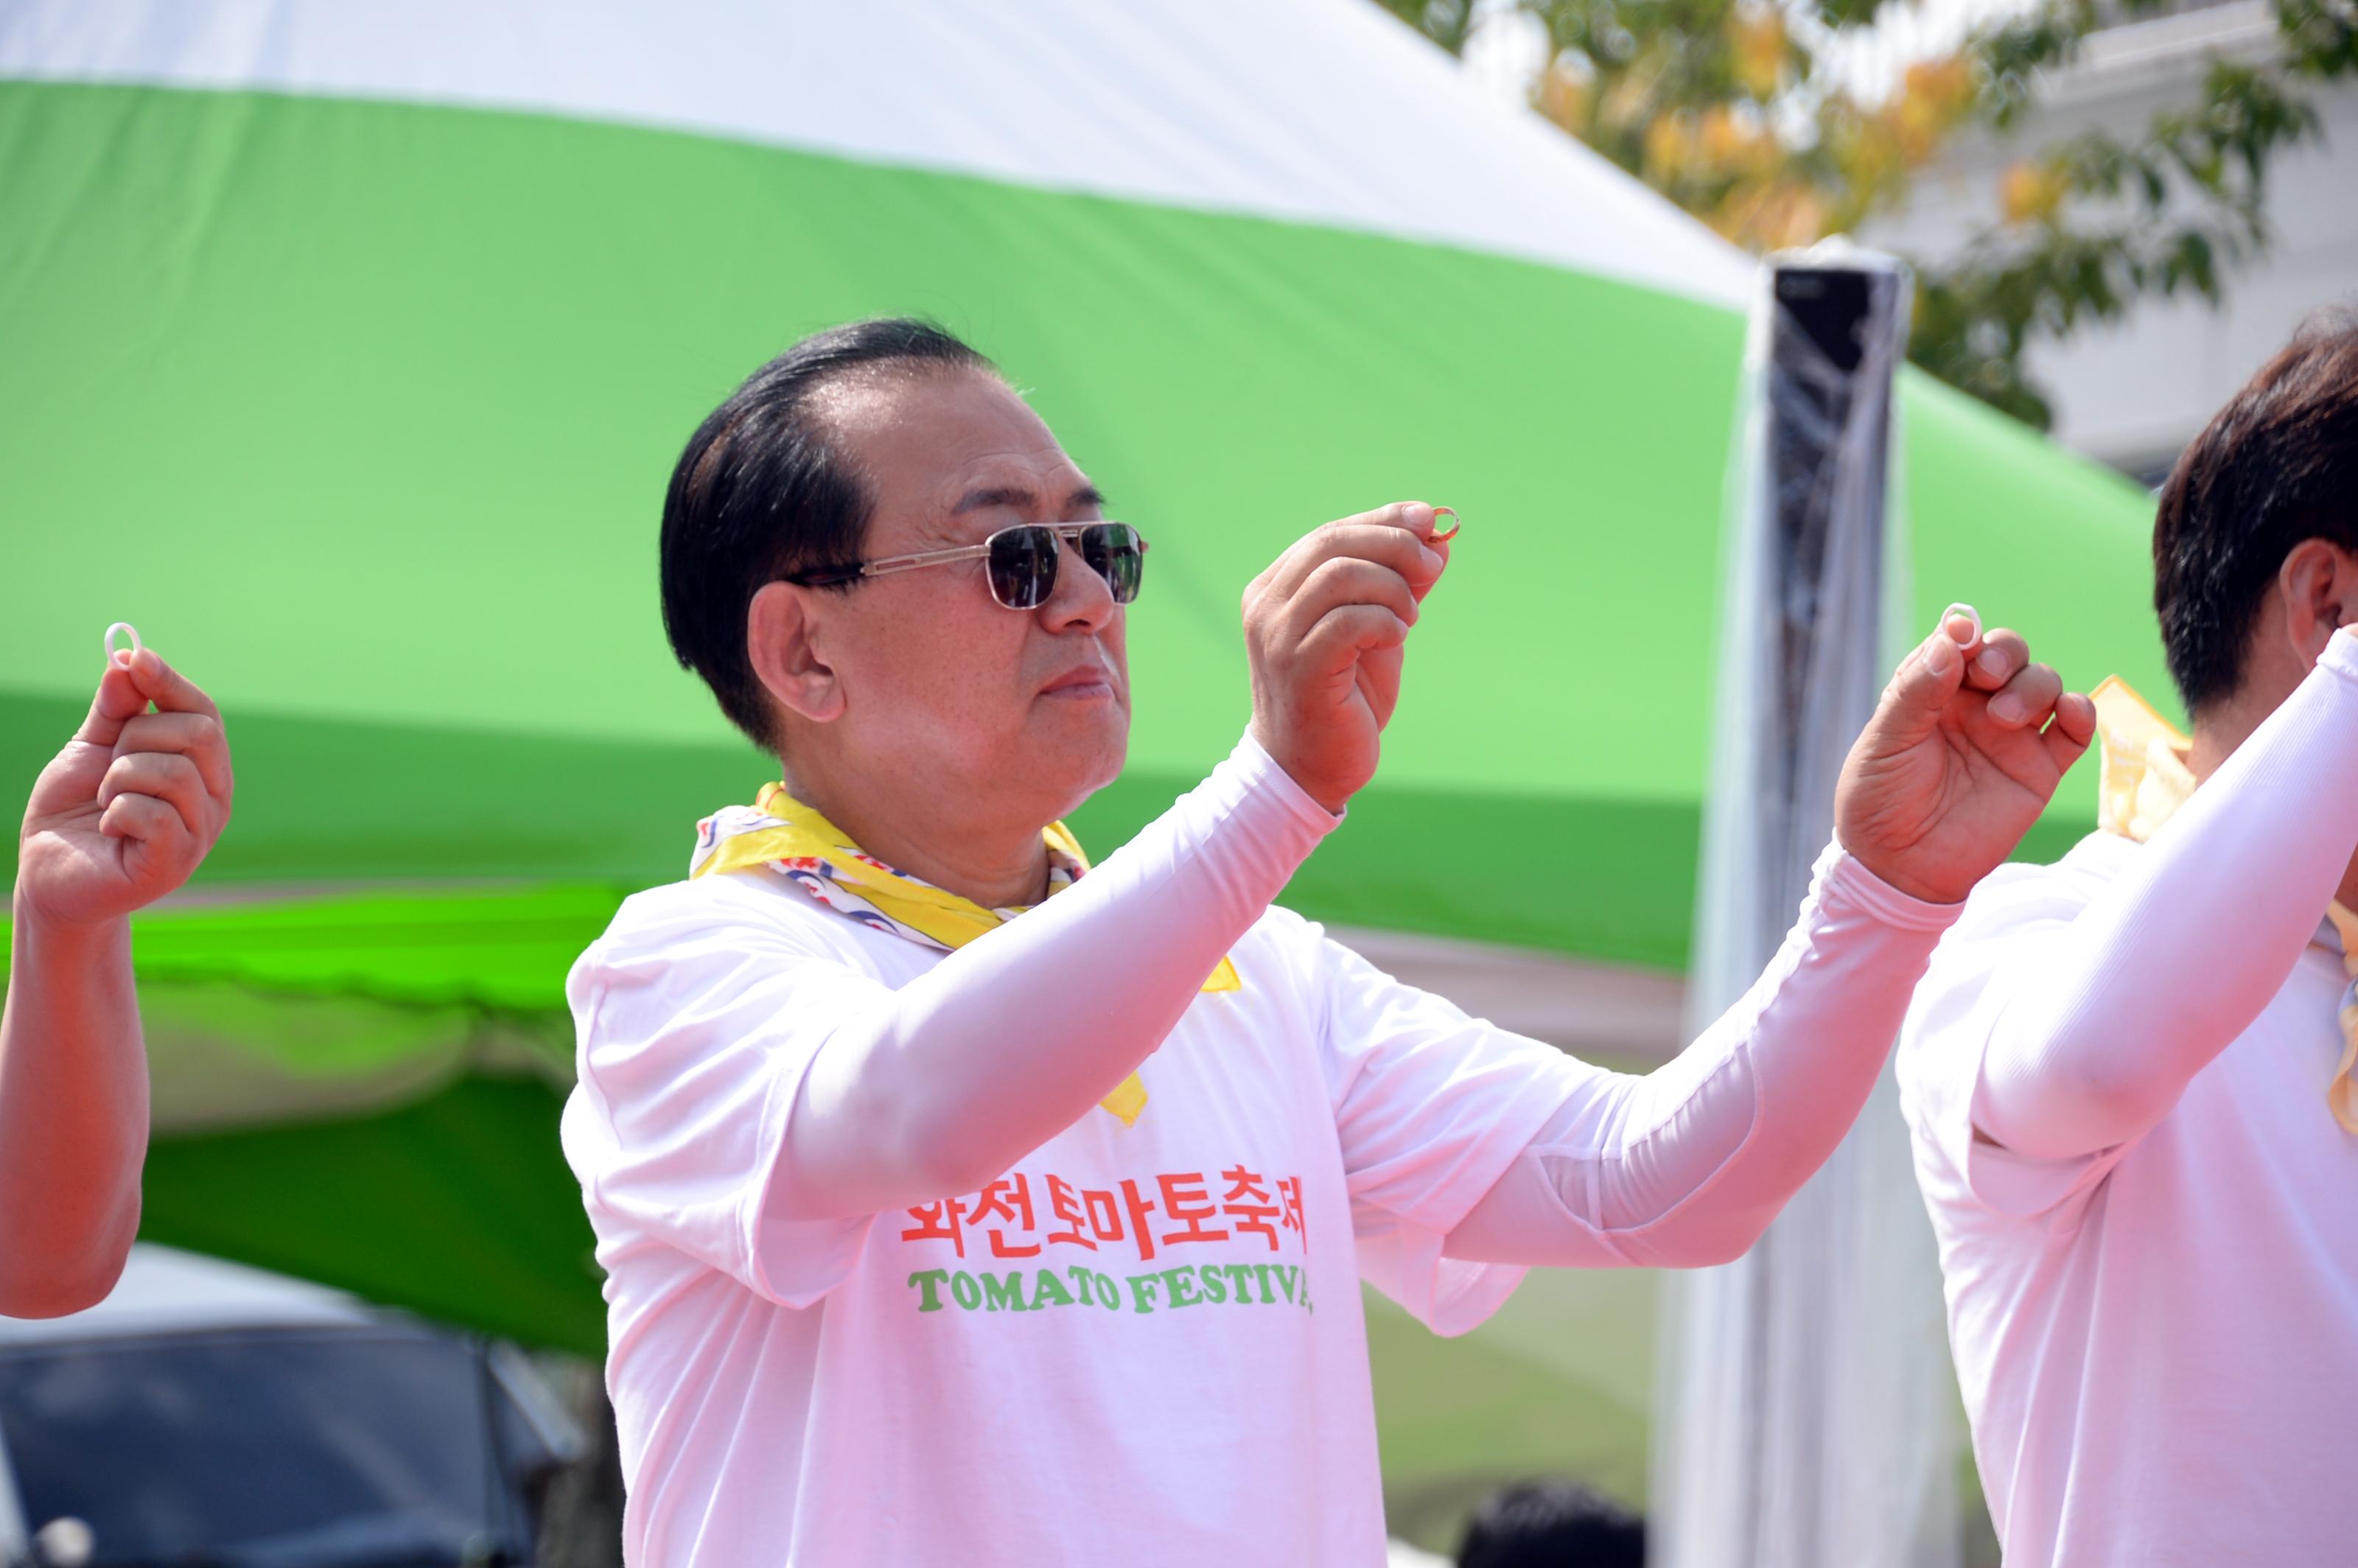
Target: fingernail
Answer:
[[2007, 709], [1970, 613], [1940, 657], [1991, 662]]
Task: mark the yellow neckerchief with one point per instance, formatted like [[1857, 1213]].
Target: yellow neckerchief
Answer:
[[2146, 779], [780, 833]]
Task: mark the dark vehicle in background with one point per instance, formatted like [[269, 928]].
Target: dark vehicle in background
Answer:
[[210, 1416]]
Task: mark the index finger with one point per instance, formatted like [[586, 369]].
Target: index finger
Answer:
[[1413, 515], [1365, 537], [167, 688]]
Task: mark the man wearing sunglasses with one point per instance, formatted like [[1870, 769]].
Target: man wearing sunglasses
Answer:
[[961, 1203]]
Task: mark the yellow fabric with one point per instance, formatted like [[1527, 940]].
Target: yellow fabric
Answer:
[[2146, 779], [802, 833]]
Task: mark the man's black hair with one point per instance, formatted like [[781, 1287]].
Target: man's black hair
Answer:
[[2277, 466], [764, 490], [1551, 1524]]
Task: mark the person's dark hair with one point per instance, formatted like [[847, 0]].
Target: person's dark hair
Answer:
[[1551, 1524], [764, 490], [2278, 465]]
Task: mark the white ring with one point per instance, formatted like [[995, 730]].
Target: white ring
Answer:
[[122, 626], [1969, 612]]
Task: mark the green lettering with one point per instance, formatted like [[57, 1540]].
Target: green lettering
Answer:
[[965, 1291], [1007, 1293], [1108, 1291], [1139, 1286], [1285, 1273], [1181, 1283], [1266, 1299], [1242, 1274], [1216, 1289], [930, 1284], [1049, 1292]]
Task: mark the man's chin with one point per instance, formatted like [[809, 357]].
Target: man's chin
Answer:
[[1073, 762]]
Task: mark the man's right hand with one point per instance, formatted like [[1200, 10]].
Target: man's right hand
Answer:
[[1325, 629]]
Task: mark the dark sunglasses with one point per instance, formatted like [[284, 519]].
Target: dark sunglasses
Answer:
[[1021, 561]]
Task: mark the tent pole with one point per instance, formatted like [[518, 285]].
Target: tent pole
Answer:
[[1804, 1415]]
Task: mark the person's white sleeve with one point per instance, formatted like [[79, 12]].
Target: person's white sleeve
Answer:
[[2094, 1032], [1430, 1106], [1686, 1165], [697, 1015], [2016, 913], [751, 1088]]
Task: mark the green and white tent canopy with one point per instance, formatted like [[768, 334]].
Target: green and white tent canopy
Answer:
[[345, 348]]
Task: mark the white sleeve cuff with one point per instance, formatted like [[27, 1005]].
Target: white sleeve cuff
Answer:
[[1260, 774], [1839, 877]]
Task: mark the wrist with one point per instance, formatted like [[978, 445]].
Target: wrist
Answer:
[[1899, 882], [37, 930], [1901, 901], [1292, 775], [1259, 763]]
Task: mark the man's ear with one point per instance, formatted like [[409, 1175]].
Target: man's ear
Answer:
[[783, 642]]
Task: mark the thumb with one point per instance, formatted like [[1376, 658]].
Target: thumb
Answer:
[[119, 699], [1926, 681]]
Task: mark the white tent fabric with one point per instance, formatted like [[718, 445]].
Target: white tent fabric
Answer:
[[1805, 1416], [1287, 109]]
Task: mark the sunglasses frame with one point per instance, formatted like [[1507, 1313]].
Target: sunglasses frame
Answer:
[[884, 566]]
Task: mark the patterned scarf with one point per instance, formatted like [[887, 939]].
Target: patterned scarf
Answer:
[[2146, 779], [780, 834]]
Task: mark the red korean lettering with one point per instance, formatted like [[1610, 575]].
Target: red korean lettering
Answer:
[[1291, 1190], [1104, 1211], [1008, 1198], [1184, 1199], [1065, 1204], [1247, 1205], [938, 1222], [1139, 1207]]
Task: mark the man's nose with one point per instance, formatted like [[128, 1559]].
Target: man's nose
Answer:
[[1081, 599]]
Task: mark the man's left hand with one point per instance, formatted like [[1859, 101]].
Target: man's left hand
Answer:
[[133, 803], [1964, 753]]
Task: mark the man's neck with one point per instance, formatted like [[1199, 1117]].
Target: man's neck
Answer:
[[2217, 732], [994, 864]]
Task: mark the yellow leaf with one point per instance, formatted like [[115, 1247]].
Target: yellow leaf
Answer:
[[1669, 148], [1758, 41], [1564, 97], [2029, 193]]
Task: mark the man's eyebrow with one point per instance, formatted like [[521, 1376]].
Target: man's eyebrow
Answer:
[[992, 495], [1019, 497]]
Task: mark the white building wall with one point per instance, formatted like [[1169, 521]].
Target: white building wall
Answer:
[[2133, 394]]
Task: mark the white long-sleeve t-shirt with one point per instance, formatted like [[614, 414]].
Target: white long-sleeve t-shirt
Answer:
[[885, 1285], [2114, 1074]]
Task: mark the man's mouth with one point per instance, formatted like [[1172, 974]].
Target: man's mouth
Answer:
[[1082, 683]]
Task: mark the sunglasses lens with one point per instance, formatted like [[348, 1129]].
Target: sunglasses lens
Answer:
[[1022, 565], [1114, 552]]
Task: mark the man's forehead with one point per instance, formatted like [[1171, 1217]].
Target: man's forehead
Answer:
[[944, 441]]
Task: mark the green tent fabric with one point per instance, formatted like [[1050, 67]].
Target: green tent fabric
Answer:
[[349, 347]]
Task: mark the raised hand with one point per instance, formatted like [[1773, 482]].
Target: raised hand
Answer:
[[133, 804], [1325, 629], [1964, 753]]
